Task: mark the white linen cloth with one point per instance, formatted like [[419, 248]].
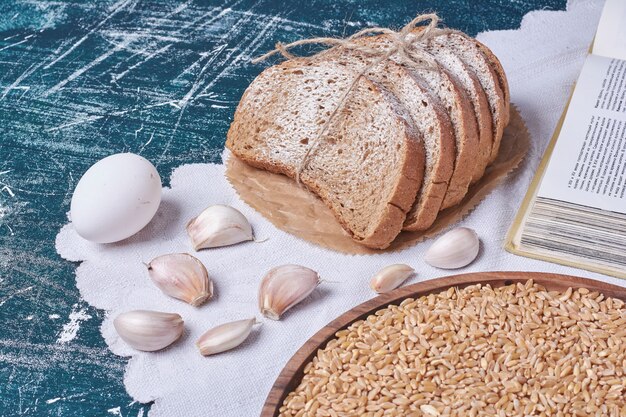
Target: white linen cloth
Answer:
[[542, 60]]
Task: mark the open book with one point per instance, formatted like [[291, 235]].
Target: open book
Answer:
[[575, 210]]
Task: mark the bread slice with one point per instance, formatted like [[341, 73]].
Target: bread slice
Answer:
[[430, 119], [471, 55], [496, 65], [452, 63], [366, 167]]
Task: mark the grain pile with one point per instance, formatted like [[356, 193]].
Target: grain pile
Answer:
[[479, 351]]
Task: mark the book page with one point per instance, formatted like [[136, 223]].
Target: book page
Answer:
[[588, 164], [610, 40]]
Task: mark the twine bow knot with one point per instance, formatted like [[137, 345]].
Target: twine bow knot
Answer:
[[407, 46]]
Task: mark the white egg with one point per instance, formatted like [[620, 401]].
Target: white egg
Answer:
[[115, 198]]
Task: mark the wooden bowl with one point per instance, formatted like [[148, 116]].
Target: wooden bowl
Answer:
[[292, 373]]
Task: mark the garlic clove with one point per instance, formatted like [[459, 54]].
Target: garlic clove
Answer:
[[285, 286], [225, 337], [181, 276], [217, 226], [149, 330], [455, 249], [390, 277]]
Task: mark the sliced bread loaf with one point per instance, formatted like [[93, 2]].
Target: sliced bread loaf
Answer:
[[452, 63], [471, 55], [430, 119], [366, 165]]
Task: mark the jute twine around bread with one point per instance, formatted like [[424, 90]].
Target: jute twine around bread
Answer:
[[407, 46]]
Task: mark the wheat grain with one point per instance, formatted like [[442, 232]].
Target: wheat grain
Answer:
[[476, 351]]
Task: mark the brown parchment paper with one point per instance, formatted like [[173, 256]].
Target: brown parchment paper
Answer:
[[297, 211]]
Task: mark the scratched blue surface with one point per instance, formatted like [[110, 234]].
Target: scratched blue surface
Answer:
[[82, 80]]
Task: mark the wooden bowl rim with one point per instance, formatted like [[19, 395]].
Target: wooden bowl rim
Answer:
[[294, 368]]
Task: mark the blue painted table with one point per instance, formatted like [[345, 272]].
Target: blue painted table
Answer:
[[82, 80]]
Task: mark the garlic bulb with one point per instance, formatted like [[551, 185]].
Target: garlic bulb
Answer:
[[285, 286], [225, 337], [181, 276], [455, 249], [390, 277], [219, 226], [148, 330]]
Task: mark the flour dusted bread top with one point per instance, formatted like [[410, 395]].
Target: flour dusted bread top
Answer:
[[365, 166]]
